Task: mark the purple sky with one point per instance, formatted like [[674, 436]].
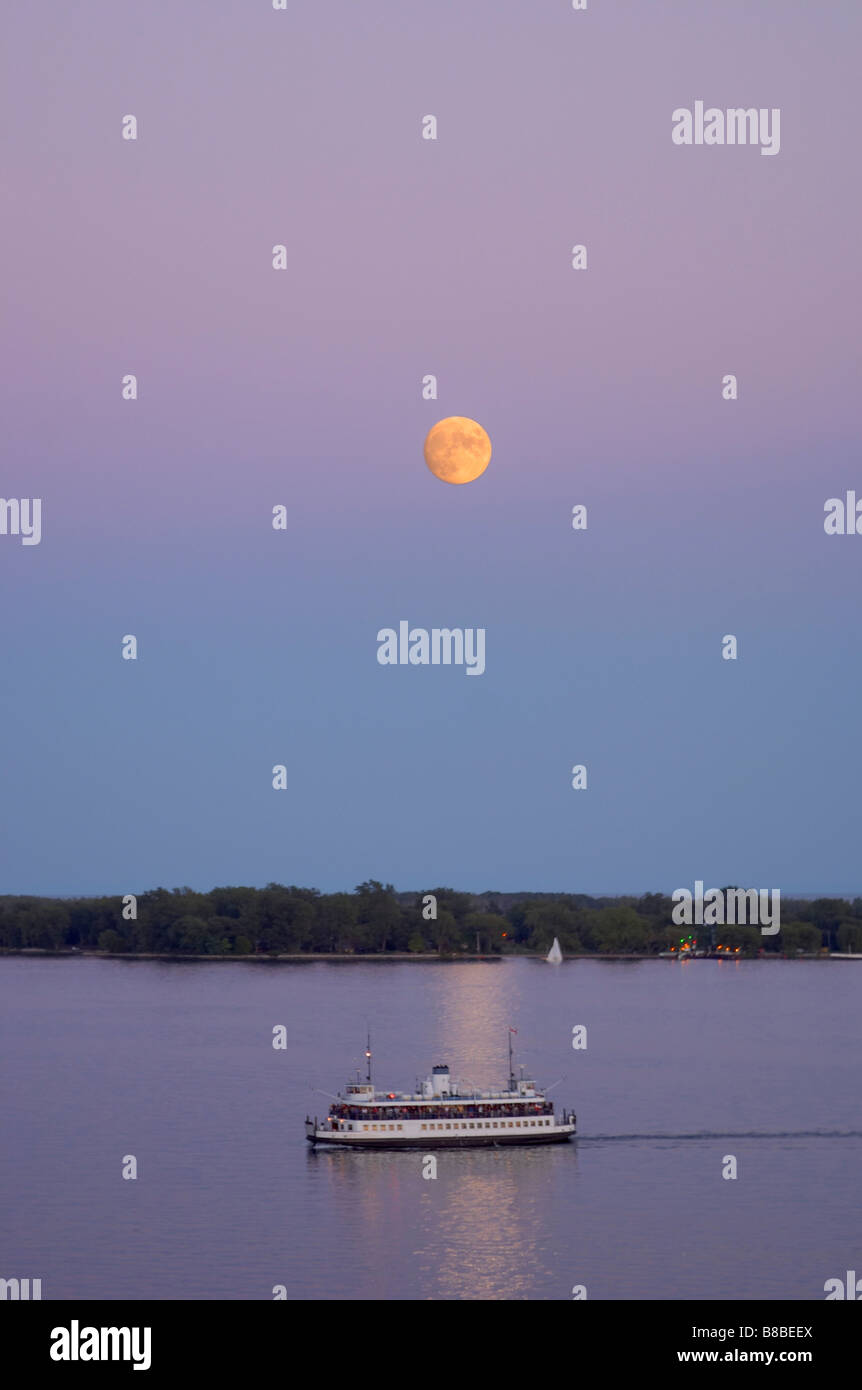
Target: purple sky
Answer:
[[303, 387]]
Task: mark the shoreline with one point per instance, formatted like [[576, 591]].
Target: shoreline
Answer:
[[245, 960], [420, 958]]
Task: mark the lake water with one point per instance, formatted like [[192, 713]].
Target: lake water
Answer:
[[685, 1065]]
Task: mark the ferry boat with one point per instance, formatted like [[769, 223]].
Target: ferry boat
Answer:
[[440, 1114]]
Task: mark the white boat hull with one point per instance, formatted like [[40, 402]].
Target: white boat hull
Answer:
[[439, 1135]]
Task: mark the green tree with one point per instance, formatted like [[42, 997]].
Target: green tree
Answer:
[[448, 900], [195, 936], [749, 939], [546, 920], [619, 931], [336, 922], [378, 915], [827, 914], [850, 938], [446, 935], [798, 936], [488, 927]]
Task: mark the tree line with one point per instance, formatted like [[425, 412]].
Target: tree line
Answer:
[[375, 919]]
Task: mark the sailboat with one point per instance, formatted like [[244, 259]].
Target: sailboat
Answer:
[[555, 955]]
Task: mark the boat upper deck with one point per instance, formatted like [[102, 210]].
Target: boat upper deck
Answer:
[[440, 1096], [433, 1110], [452, 1098]]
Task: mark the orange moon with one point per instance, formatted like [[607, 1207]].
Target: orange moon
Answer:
[[457, 449]]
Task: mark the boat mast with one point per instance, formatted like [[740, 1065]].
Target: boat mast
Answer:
[[511, 1072], [368, 1055]]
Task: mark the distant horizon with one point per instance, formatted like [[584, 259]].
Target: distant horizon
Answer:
[[786, 893]]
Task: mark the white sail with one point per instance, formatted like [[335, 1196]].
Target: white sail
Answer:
[[555, 955]]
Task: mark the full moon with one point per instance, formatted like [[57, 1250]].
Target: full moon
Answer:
[[457, 449]]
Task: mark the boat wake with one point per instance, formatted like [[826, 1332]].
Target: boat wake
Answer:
[[724, 1134]]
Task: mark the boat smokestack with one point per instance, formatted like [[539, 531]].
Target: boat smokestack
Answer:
[[440, 1081]]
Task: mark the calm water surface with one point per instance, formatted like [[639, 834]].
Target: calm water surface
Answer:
[[685, 1064]]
